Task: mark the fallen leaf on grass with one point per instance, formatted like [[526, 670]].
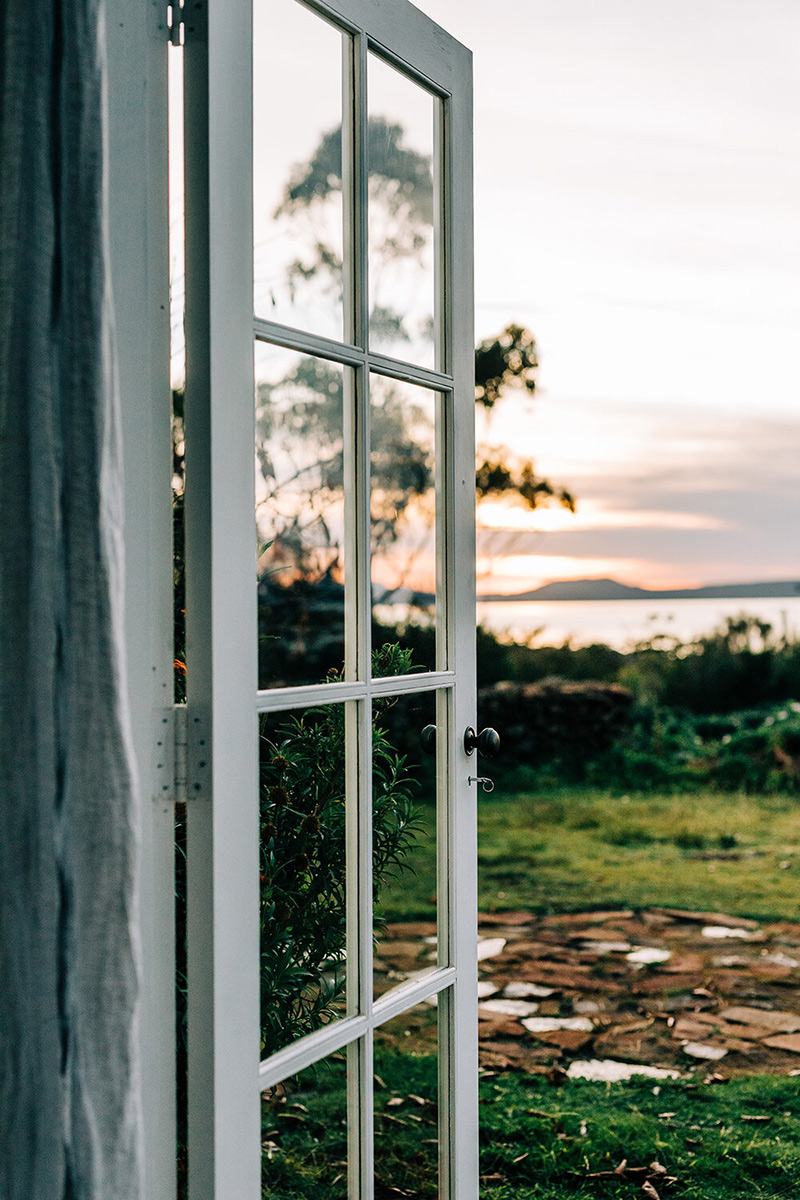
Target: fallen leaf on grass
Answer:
[[754, 1117], [649, 1191]]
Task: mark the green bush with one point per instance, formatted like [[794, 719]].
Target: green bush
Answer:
[[556, 721]]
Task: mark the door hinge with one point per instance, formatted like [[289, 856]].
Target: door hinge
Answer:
[[175, 22], [181, 743]]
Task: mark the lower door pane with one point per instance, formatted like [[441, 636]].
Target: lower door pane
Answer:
[[405, 770], [304, 1134], [302, 872], [407, 1105]]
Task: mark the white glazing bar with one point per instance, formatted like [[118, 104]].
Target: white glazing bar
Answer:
[[350, 280], [360, 1105], [307, 343], [339, 1034], [349, 355], [310, 1049], [139, 257], [396, 368], [446, 564], [281, 699], [448, 1167], [355, 932], [446, 793], [360, 1116], [441, 175], [406, 995], [222, 818]]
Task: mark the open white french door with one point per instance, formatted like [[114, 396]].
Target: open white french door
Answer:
[[329, 485]]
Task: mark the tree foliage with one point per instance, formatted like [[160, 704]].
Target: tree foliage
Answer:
[[512, 356]]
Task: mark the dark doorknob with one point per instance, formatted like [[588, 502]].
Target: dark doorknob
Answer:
[[487, 742], [427, 739]]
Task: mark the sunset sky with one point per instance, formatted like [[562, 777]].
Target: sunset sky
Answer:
[[637, 185], [638, 207]]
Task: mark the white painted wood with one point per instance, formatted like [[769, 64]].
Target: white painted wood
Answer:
[[462, 1182], [223, 949], [406, 35], [225, 1079], [138, 228]]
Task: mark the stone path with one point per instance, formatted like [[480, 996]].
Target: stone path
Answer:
[[661, 988]]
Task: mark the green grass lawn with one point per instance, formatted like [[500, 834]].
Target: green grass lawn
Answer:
[[540, 1142], [560, 850], [574, 849]]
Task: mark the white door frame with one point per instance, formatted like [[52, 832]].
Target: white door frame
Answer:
[[138, 222], [225, 1077]]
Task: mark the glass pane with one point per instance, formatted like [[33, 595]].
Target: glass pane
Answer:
[[405, 762], [407, 1105], [299, 516], [303, 872], [403, 512], [402, 279], [298, 213], [304, 1134]]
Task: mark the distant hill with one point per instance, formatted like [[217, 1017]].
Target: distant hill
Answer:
[[610, 589]]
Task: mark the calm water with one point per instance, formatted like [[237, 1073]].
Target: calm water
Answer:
[[621, 623]]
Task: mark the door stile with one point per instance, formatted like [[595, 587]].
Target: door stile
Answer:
[[222, 808], [463, 1057]]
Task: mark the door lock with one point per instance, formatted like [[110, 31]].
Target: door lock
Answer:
[[487, 742]]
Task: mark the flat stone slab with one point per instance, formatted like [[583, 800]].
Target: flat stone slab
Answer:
[[566, 1039], [705, 918], [588, 918], [549, 1024], [578, 974], [704, 1051], [784, 1041], [517, 990], [511, 1008], [606, 1070], [509, 919], [490, 947], [776, 1022], [720, 932]]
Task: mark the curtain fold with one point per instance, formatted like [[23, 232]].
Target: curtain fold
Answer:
[[69, 1120]]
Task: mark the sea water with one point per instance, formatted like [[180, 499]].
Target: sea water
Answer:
[[623, 623]]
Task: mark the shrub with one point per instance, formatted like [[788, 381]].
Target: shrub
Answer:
[[556, 721], [303, 855]]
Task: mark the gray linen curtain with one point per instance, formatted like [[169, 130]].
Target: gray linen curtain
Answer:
[[69, 1124]]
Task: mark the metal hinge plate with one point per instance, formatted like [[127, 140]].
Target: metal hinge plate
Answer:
[[175, 22], [181, 736]]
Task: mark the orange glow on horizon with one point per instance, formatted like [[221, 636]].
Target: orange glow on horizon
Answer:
[[520, 573]]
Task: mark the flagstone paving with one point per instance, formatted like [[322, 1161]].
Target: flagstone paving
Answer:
[[661, 987]]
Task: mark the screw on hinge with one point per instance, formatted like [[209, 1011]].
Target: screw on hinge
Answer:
[[175, 23], [181, 753]]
